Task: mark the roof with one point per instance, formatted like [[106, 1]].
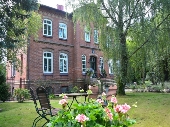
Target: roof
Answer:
[[42, 5]]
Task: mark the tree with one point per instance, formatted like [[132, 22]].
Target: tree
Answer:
[[19, 19], [115, 19], [4, 88]]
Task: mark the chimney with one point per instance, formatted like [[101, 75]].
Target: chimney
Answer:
[[60, 7]]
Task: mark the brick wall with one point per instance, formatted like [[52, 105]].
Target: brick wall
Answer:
[[75, 46]]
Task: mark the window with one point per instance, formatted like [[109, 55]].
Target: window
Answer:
[[96, 36], [47, 27], [62, 31], [110, 63], [87, 36], [83, 64], [13, 69], [63, 59], [108, 42], [101, 64], [48, 62]]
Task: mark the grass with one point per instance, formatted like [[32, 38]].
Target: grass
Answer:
[[152, 111]]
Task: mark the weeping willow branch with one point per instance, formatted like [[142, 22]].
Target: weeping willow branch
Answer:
[[147, 40]]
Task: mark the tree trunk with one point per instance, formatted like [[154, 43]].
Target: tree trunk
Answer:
[[122, 76], [122, 79]]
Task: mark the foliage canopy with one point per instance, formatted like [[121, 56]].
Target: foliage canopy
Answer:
[[18, 21], [125, 27]]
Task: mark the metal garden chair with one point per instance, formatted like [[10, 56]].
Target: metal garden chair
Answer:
[[45, 110], [38, 110]]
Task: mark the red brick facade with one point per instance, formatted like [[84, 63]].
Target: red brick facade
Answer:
[[74, 46]]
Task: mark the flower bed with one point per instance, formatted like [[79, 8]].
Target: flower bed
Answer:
[[93, 113]]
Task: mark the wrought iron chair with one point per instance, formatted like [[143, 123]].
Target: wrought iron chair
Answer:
[[45, 108], [38, 110]]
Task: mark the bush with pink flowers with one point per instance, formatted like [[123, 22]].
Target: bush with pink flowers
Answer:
[[93, 113]]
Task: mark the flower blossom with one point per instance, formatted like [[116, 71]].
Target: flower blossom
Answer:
[[118, 108], [65, 97], [81, 118], [122, 108], [63, 102], [109, 114], [113, 100], [90, 87], [107, 110], [103, 94], [125, 108], [99, 100]]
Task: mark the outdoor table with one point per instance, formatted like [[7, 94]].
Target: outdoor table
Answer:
[[74, 96]]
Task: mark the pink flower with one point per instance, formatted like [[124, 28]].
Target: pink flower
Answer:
[[99, 100], [81, 118], [122, 108], [125, 108], [103, 94], [114, 100], [63, 102], [107, 110], [118, 108], [65, 97], [110, 115], [90, 87]]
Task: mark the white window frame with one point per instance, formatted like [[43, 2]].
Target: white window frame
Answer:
[[49, 26], [48, 58], [96, 36], [62, 31], [108, 41], [101, 62], [87, 36], [63, 63], [110, 64], [83, 58]]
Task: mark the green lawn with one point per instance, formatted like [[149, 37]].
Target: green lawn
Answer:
[[152, 111]]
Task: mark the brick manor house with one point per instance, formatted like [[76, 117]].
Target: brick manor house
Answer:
[[60, 56]]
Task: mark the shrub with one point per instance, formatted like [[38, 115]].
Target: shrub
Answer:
[[4, 92], [75, 89], [52, 96], [156, 88], [4, 88], [92, 114], [21, 94]]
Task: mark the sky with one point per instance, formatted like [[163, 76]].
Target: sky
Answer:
[[52, 3]]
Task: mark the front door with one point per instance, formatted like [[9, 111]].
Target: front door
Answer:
[[93, 65]]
